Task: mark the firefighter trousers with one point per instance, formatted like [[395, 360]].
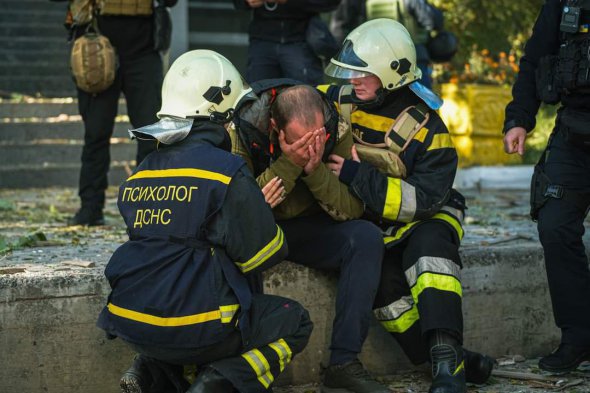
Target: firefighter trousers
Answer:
[[420, 288], [279, 329]]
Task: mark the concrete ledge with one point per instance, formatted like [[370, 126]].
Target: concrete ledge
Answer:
[[50, 342]]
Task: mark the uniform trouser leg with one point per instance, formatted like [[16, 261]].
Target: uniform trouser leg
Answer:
[[300, 63], [355, 249], [420, 289], [561, 227], [98, 112], [280, 329], [141, 85], [263, 61]]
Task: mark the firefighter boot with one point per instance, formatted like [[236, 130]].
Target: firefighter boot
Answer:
[[350, 377], [210, 381], [448, 368], [137, 379], [565, 358], [478, 367]]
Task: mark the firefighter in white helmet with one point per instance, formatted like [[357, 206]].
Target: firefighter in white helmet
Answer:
[[403, 168], [180, 292]]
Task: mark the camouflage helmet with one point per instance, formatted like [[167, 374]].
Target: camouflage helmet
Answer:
[[93, 63]]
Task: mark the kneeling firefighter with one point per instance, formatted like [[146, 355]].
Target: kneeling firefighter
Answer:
[[180, 288], [403, 168]]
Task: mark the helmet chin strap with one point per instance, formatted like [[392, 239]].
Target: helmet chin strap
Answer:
[[221, 117]]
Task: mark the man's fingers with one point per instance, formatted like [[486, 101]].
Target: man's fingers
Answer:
[[355, 155], [521, 145], [303, 141]]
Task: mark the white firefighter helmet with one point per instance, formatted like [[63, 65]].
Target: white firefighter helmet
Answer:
[[202, 83], [384, 48]]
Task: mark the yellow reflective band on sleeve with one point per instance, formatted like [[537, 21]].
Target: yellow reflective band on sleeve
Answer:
[[400, 232], [228, 312], [421, 135], [260, 365], [283, 351], [264, 254], [441, 141], [162, 321], [393, 199], [403, 323], [181, 172], [452, 221], [437, 281]]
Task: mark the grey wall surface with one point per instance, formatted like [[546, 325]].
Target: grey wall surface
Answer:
[[50, 343]]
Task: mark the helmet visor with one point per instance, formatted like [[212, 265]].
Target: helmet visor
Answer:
[[336, 71]]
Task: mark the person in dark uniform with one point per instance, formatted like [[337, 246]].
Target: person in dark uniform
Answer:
[[129, 26], [278, 46], [317, 212], [180, 288], [402, 168], [555, 69]]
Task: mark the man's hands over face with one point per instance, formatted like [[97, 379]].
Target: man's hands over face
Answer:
[[305, 152]]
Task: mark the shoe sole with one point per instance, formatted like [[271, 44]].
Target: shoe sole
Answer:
[[130, 384]]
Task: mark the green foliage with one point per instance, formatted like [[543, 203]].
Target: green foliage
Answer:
[[536, 142], [496, 25], [28, 240]]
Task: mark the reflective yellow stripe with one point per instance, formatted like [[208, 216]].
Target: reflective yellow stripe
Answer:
[[393, 198], [228, 312], [264, 254], [370, 121], [452, 221], [323, 88], [441, 141], [421, 135], [181, 172], [438, 216], [161, 321], [461, 367], [403, 323], [283, 351], [260, 365], [437, 281]]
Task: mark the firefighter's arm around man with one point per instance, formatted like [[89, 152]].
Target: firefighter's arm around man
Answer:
[[252, 251], [420, 195]]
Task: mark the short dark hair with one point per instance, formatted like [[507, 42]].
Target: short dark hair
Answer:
[[297, 102]]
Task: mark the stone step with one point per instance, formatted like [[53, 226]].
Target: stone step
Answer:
[[22, 56], [46, 109], [218, 20], [40, 70], [34, 44], [57, 86], [22, 133], [27, 176], [55, 14], [45, 29], [59, 153], [27, 5]]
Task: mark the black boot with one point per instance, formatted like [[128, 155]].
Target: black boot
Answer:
[[350, 377], [478, 367], [210, 381], [565, 358], [448, 367], [87, 216], [137, 379]]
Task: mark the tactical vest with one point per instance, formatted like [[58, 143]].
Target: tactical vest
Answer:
[[252, 123], [569, 70], [396, 10], [170, 287], [385, 156]]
